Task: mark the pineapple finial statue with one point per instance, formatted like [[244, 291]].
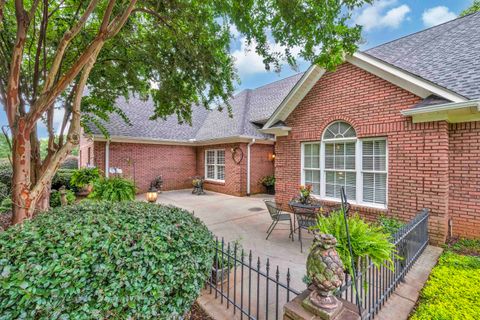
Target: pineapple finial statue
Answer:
[[326, 271]]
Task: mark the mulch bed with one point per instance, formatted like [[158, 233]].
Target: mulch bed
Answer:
[[197, 313], [465, 247]]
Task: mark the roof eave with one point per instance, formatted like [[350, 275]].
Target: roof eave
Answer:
[[454, 112], [190, 142], [277, 131]]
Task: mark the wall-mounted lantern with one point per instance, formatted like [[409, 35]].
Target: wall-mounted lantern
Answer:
[[271, 156]]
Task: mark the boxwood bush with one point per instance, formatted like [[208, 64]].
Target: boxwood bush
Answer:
[[104, 260]]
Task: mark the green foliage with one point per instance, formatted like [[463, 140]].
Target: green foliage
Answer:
[[71, 162], [4, 191], [6, 206], [104, 260], [55, 198], [465, 246], [268, 181], [367, 240], [6, 174], [62, 178], [390, 225], [452, 291], [84, 176], [113, 189], [475, 7]]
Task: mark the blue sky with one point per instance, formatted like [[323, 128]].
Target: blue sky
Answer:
[[383, 21]]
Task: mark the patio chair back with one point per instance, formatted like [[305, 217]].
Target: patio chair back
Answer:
[[273, 209]]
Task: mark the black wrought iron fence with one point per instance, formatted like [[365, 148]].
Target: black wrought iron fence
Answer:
[[249, 288], [376, 284]]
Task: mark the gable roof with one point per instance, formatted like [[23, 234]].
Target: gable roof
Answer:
[[440, 62], [250, 109], [447, 54]]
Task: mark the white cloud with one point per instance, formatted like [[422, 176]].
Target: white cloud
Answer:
[[379, 15], [247, 61], [437, 15]]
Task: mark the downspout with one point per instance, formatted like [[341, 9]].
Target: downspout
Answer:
[[107, 158], [248, 165]]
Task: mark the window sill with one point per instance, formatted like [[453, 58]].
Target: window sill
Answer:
[[355, 205], [213, 181]]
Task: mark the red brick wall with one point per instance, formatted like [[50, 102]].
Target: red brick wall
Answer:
[[464, 200], [86, 143], [178, 164], [235, 174], [261, 166], [417, 153], [144, 162]]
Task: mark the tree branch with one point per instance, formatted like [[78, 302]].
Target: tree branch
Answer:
[[73, 137], [64, 42]]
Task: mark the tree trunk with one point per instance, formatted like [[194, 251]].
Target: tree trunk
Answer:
[[23, 203]]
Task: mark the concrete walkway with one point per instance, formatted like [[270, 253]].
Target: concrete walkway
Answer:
[[403, 300], [246, 219]]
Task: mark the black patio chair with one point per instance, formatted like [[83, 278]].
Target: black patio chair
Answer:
[[277, 215], [306, 218]]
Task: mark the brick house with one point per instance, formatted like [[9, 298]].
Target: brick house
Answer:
[[398, 126]]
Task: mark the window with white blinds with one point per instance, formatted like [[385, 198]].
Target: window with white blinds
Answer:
[[342, 160], [215, 165], [311, 166], [374, 171]]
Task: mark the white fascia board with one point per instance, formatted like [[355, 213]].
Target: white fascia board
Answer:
[[144, 140], [298, 92], [401, 78], [442, 107], [277, 131]]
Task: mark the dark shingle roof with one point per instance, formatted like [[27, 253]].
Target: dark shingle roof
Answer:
[[249, 107], [447, 55]]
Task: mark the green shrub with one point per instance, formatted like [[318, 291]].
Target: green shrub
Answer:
[[452, 291], [4, 191], [71, 162], [390, 225], [55, 198], [104, 260], [367, 240], [268, 181], [113, 189], [6, 206], [62, 178], [84, 176], [6, 174]]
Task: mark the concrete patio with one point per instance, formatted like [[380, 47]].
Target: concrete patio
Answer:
[[246, 220]]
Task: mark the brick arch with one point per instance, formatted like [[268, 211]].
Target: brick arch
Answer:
[[328, 121]]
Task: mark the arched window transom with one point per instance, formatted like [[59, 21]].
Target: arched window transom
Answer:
[[339, 130]]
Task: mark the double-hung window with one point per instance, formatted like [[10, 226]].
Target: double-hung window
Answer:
[[343, 160], [215, 164]]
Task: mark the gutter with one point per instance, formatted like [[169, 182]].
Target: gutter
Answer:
[[442, 107], [249, 164]]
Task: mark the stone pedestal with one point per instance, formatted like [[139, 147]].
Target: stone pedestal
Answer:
[[301, 308]]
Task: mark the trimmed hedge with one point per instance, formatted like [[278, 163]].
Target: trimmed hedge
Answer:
[[103, 260]]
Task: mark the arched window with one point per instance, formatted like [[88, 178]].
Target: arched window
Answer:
[[340, 142], [343, 160]]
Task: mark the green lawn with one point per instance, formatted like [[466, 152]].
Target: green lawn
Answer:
[[453, 290]]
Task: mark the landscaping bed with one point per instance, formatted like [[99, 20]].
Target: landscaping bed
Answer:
[[452, 291]]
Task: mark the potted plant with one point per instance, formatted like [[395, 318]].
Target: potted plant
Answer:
[[83, 179], [222, 264], [157, 184], [269, 183], [305, 192], [197, 183]]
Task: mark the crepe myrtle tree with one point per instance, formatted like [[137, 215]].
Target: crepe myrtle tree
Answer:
[[79, 56]]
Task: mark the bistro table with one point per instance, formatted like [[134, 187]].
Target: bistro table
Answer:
[[305, 215]]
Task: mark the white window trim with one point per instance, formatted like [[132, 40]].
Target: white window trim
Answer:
[[358, 169], [215, 165]]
